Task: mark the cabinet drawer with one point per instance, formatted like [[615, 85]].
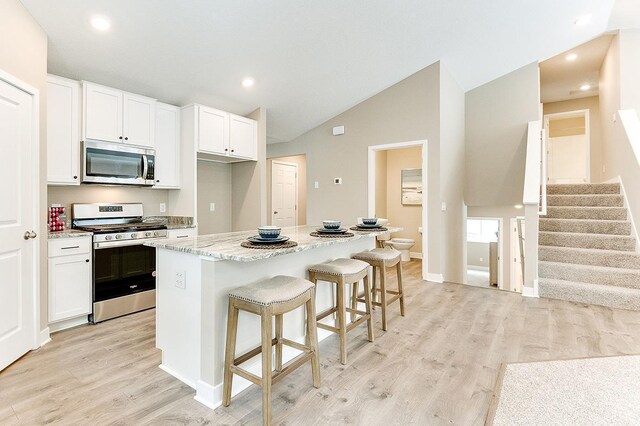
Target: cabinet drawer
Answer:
[[69, 246], [182, 233]]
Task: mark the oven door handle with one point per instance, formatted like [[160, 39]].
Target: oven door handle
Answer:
[[145, 166], [112, 244]]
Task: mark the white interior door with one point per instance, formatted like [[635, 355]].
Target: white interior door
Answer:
[[517, 279], [568, 159], [18, 140], [284, 193]]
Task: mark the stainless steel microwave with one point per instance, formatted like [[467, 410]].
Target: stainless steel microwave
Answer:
[[117, 164]]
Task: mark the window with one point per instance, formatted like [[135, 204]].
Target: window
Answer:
[[482, 230]]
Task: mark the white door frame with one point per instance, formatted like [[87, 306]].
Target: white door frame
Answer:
[[371, 193], [500, 245], [35, 192], [587, 131], [295, 165], [514, 248]]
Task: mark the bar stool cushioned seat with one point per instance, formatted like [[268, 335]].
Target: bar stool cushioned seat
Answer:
[[380, 259], [279, 289], [342, 272], [270, 298]]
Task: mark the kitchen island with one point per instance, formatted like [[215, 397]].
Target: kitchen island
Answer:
[[194, 276]]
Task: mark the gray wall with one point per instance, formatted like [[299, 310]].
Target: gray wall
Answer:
[[214, 186], [496, 120], [478, 254], [23, 54], [407, 111]]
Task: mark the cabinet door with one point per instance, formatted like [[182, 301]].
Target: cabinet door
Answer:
[[139, 120], [213, 131], [69, 286], [102, 113], [63, 131], [167, 170], [243, 139]]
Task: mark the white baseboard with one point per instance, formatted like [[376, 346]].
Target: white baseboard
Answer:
[[478, 268], [209, 396], [177, 376], [529, 291], [415, 255], [73, 322], [435, 278], [44, 337]]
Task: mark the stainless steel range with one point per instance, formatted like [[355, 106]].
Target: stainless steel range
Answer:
[[124, 269]]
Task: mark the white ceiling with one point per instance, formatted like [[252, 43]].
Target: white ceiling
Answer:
[[311, 59], [560, 80]]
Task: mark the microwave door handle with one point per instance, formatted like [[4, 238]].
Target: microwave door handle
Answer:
[[145, 166]]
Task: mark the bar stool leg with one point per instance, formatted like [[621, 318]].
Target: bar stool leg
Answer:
[[374, 287], [279, 343], [400, 289], [266, 365], [342, 320], [312, 338], [354, 299], [367, 307], [383, 295], [230, 352]]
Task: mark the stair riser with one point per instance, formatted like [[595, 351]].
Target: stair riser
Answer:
[[586, 200], [602, 188], [587, 241], [563, 271], [586, 227], [610, 213], [593, 295], [628, 260]]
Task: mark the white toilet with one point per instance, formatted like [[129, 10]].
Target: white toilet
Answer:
[[403, 245]]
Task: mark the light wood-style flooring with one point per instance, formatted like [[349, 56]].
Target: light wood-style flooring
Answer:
[[437, 365]]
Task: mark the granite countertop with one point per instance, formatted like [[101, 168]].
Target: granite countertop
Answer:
[[172, 222], [68, 233], [171, 226], [227, 246]]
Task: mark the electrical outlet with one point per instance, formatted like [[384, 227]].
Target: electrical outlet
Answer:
[[163, 207], [212, 207], [481, 259], [180, 280], [316, 184]]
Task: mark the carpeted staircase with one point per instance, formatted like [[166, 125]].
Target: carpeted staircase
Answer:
[[587, 248]]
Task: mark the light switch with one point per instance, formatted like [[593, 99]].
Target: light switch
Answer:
[[316, 184], [337, 181], [212, 207], [444, 206], [163, 207]]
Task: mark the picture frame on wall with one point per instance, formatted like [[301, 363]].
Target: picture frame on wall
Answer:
[[411, 187]]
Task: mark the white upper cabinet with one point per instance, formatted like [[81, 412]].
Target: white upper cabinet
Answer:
[[139, 120], [115, 116], [102, 113], [227, 137], [213, 131], [63, 131], [242, 136], [167, 137]]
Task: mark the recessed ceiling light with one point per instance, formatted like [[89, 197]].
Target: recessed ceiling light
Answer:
[[100, 23], [248, 82], [583, 20], [585, 87], [571, 57]]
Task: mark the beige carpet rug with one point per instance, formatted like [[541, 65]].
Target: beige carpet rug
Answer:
[[590, 391]]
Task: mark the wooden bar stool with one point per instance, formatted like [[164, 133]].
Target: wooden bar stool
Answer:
[[272, 297], [343, 272], [381, 259]]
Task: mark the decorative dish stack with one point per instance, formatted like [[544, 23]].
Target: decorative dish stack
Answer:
[[268, 235], [369, 224], [331, 229]]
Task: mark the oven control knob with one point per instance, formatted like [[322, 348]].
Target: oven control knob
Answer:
[[108, 237], [118, 237], [147, 234], [156, 234], [134, 236]]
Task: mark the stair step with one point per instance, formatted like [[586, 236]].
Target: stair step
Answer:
[[598, 200], [612, 227], [591, 213], [604, 295], [581, 188], [591, 241], [597, 275], [596, 257]]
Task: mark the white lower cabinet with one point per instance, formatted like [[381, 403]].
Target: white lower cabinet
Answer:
[[69, 280]]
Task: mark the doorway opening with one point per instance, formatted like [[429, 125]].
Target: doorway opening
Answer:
[[568, 142], [484, 252], [397, 176], [287, 191]]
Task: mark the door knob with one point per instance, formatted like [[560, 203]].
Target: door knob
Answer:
[[275, 212], [30, 235]]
